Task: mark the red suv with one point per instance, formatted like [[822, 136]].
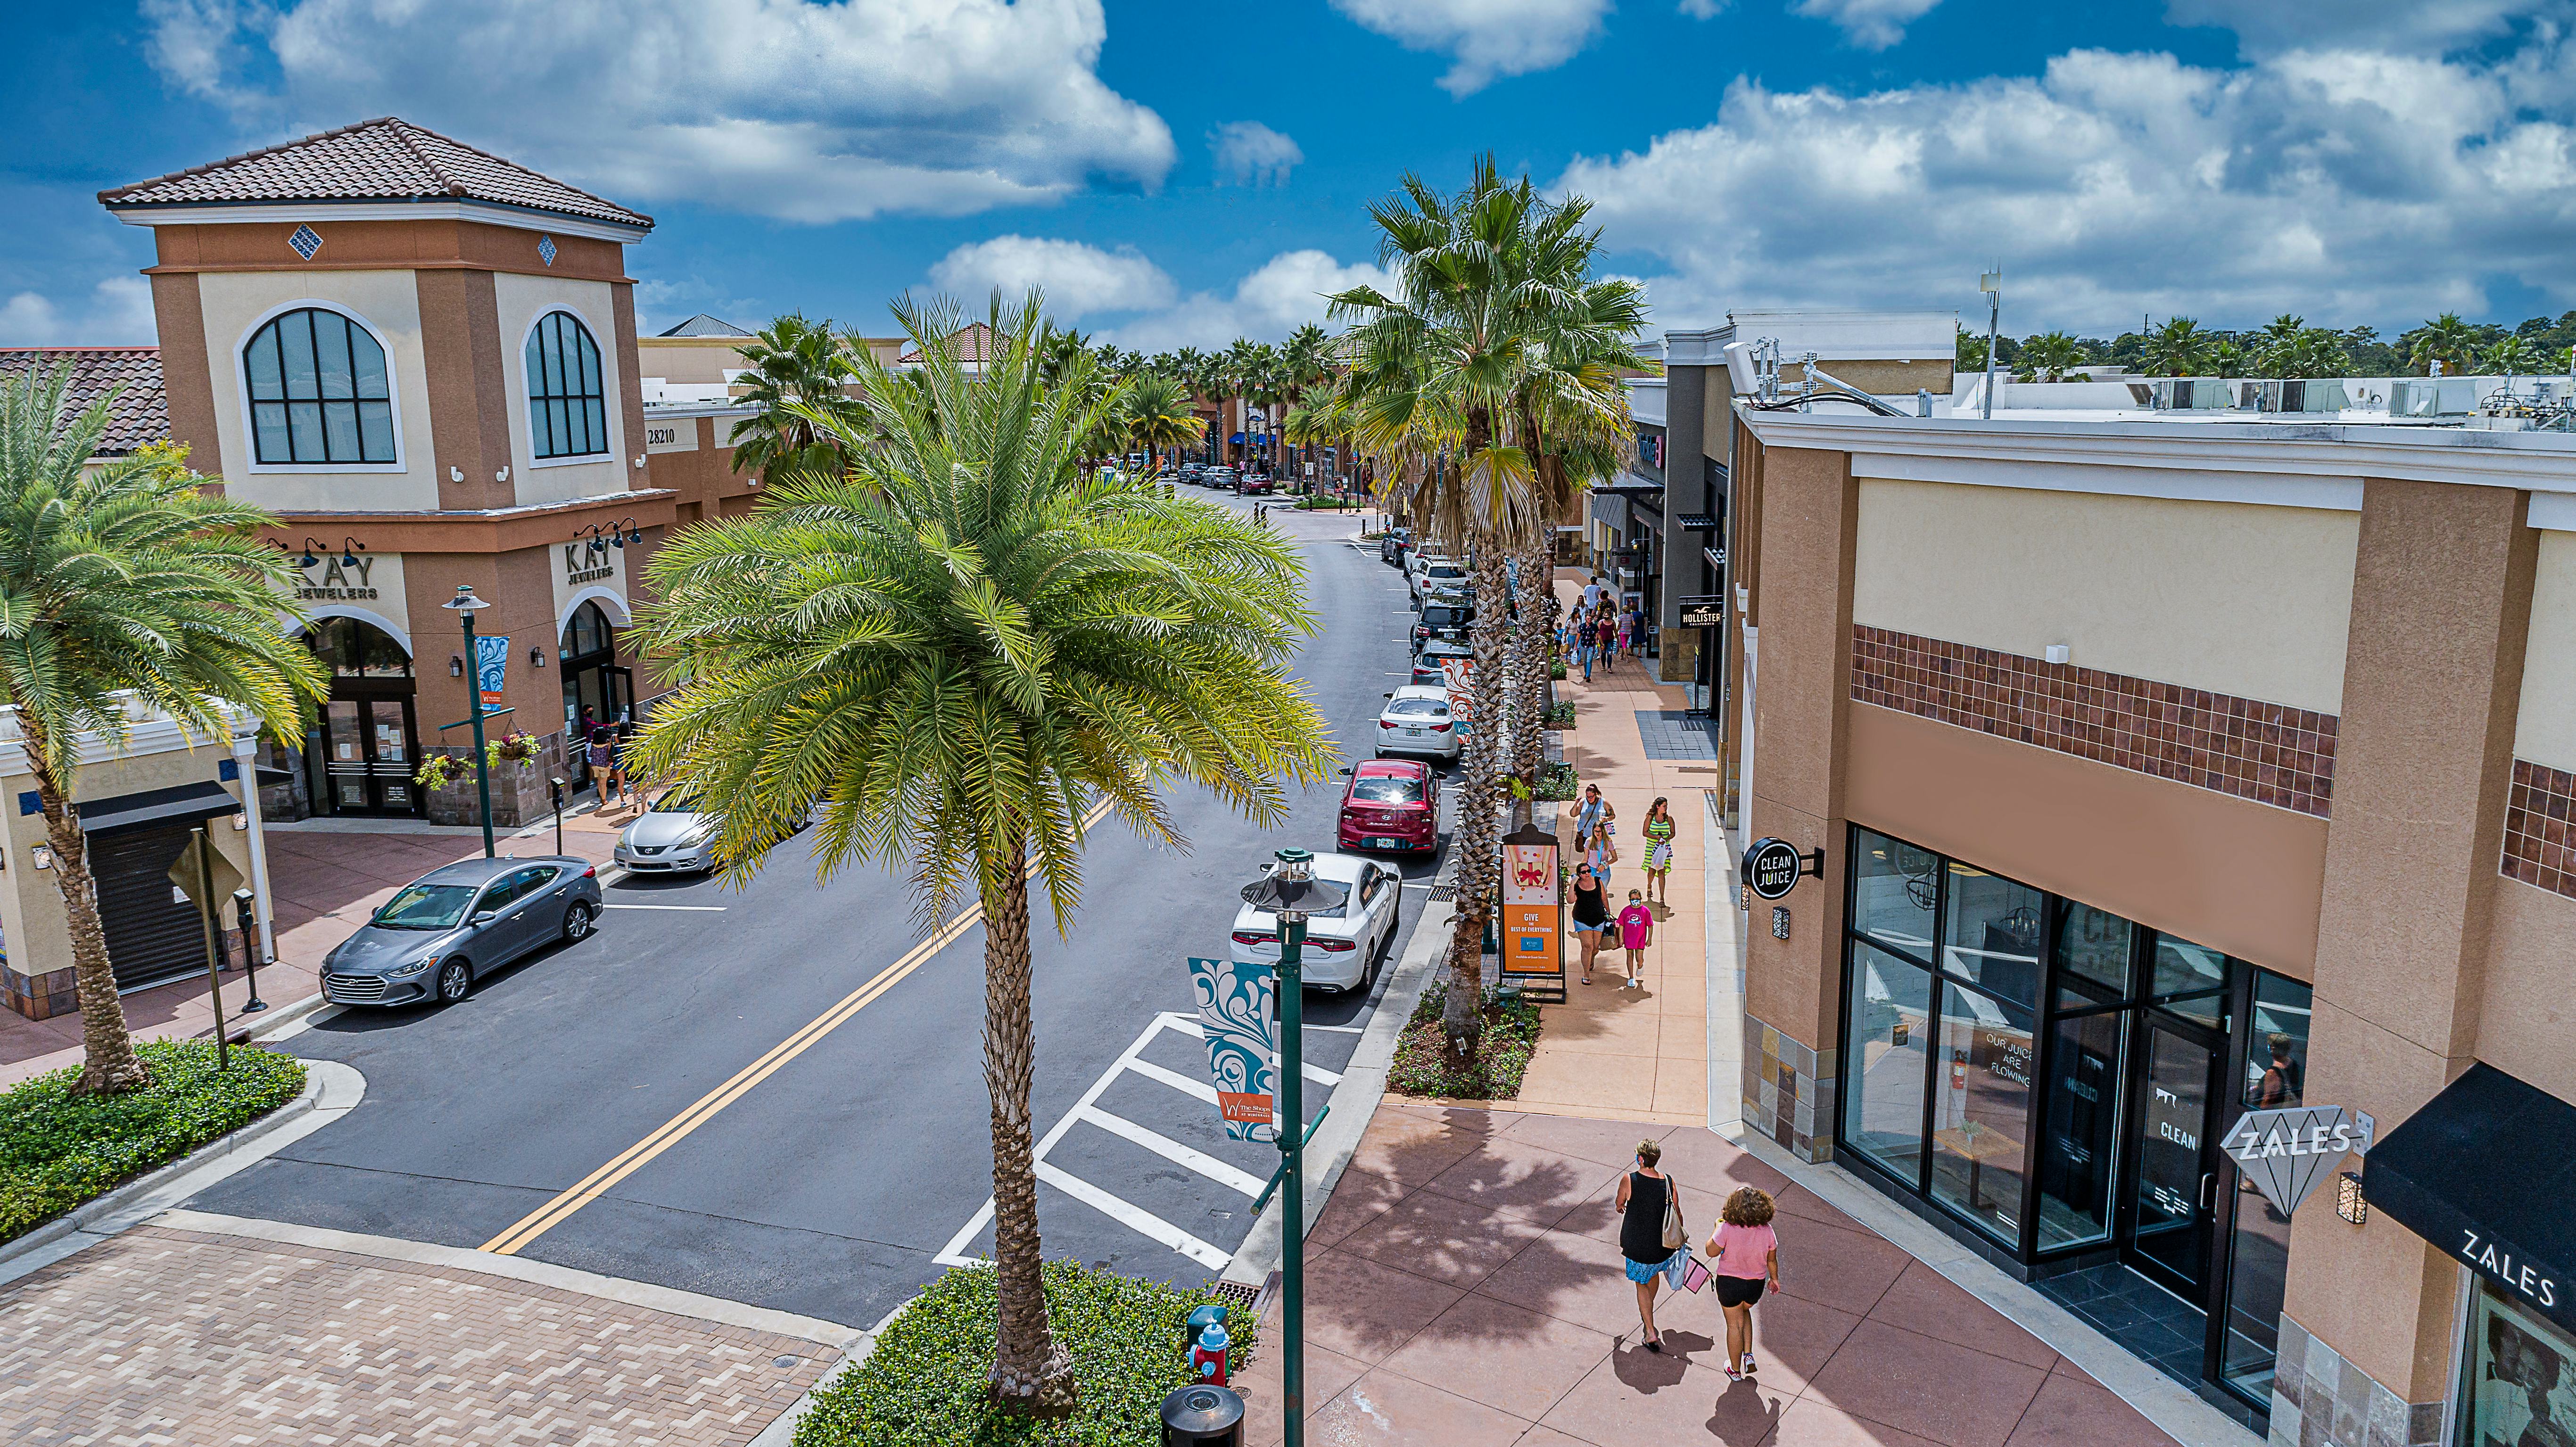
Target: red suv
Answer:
[[1391, 804]]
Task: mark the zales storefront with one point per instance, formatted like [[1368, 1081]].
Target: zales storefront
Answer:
[[363, 747]]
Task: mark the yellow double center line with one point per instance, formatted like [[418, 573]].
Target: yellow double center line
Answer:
[[599, 1182]]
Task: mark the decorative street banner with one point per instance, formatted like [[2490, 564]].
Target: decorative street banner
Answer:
[[1238, 1019], [1462, 698], [491, 662], [2285, 1153]]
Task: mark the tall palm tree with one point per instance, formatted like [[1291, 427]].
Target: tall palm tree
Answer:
[[792, 361], [1493, 367], [127, 584], [1155, 413], [955, 648], [2178, 348], [2512, 357], [2445, 339]]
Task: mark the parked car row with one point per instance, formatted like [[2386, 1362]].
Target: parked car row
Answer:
[[1224, 478]]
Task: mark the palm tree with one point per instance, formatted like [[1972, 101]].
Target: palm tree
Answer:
[[2445, 339], [792, 360], [2512, 357], [125, 585], [2224, 358], [2049, 355], [2179, 348], [1155, 412], [1969, 355], [955, 648], [1493, 367]]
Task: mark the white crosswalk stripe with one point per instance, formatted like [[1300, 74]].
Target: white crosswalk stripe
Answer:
[[1088, 1112]]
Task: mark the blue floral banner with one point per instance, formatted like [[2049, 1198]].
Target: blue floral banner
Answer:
[[1236, 1015]]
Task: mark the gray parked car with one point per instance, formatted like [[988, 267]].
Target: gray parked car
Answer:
[[456, 923]]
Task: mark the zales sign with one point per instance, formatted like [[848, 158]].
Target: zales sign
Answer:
[[2285, 1153]]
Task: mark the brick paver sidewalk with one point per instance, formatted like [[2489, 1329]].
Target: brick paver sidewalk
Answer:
[[183, 1337], [1464, 1289]]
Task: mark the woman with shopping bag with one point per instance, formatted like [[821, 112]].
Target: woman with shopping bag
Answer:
[[1651, 1235]]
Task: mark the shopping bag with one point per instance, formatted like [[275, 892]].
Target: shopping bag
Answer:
[[1694, 1275]]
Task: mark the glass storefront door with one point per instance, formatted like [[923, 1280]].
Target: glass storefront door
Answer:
[[368, 763], [2167, 1236]]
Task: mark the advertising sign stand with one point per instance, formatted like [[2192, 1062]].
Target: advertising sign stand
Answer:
[[1533, 915]]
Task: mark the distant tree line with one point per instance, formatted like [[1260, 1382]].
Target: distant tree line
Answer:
[[2285, 347]]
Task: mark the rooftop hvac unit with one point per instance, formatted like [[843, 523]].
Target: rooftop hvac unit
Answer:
[[2193, 394], [2432, 396]]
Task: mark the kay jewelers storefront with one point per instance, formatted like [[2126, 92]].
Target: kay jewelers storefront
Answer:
[[2050, 1082]]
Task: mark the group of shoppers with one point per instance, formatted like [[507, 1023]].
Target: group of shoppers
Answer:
[[1596, 850], [1743, 1253], [603, 750], [1599, 630]]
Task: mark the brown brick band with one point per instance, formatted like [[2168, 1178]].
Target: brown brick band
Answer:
[[2539, 840], [2268, 752]]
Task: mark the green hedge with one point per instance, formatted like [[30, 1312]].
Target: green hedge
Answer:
[[58, 1149], [926, 1383]]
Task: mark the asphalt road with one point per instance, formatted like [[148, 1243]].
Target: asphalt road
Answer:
[[836, 1184]]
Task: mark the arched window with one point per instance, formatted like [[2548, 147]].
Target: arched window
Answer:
[[588, 633], [567, 411], [318, 391]]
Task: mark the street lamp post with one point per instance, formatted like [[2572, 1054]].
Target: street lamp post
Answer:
[[1992, 284], [465, 605], [1290, 893]]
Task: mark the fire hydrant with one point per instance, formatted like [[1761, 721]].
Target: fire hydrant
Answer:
[[1209, 1345]]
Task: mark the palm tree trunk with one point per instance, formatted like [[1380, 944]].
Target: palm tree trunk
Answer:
[[1479, 835], [1530, 634], [1032, 1374], [109, 1065]]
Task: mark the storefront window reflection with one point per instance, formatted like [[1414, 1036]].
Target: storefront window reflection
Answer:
[[2190, 980], [1893, 889], [2093, 945], [1981, 1111], [1891, 1003], [2083, 1104], [2276, 1067], [2522, 1378], [1992, 934]]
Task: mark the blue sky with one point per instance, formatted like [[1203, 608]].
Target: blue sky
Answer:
[[1185, 172]]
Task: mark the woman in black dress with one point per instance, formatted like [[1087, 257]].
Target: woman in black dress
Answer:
[[1591, 915], [1642, 1194]]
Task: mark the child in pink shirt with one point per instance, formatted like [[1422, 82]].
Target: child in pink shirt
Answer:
[[1636, 931], [1743, 1254]]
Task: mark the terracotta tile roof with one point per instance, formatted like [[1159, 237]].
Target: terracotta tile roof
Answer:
[[974, 342], [141, 410], [387, 159]]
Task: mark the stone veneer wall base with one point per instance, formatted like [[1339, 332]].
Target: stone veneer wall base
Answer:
[[2318, 1399], [1789, 1091]]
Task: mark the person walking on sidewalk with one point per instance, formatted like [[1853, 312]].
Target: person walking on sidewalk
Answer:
[[1606, 638], [1651, 1235], [1583, 640], [1591, 915], [1636, 931], [1743, 1254], [1604, 852], [1587, 818], [602, 747], [1658, 829]]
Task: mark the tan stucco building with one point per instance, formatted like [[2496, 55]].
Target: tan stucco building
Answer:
[[2166, 771]]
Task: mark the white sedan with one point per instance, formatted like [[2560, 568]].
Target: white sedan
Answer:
[[1416, 721], [1344, 946]]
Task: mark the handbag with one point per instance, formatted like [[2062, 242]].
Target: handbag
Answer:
[[1694, 1274], [1676, 1236]]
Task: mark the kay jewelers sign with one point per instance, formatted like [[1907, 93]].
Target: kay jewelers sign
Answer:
[[2286, 1153]]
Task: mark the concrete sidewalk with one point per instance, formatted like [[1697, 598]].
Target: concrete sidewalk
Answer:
[[326, 877], [1464, 1288]]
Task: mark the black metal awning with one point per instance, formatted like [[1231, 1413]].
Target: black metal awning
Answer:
[[2484, 1172], [156, 808]]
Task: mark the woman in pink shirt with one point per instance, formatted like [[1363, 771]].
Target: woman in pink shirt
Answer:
[[1742, 1255]]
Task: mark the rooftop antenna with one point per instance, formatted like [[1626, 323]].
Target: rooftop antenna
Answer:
[[1992, 284]]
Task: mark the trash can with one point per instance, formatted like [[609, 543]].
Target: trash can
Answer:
[[1203, 1417]]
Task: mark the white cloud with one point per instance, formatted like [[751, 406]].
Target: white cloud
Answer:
[[1871, 24], [1079, 280], [1484, 39], [2265, 27], [1702, 9], [1275, 299], [1251, 154], [117, 312], [2344, 184], [776, 107]]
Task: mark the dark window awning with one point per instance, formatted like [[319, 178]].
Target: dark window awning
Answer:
[[1697, 522], [157, 808], [2484, 1172]]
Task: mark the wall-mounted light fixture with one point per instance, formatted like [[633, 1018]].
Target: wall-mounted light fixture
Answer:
[[2059, 653], [611, 535], [502, 476], [639, 462], [2348, 1200], [536, 658], [456, 474], [456, 665]]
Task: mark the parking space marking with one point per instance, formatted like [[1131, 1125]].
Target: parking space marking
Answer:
[[1088, 1111]]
